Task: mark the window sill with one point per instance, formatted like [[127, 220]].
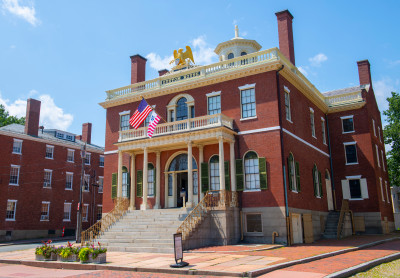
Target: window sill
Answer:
[[47, 187], [16, 153], [346, 132], [10, 219], [101, 166], [294, 191], [49, 158], [314, 137], [69, 189], [65, 220], [152, 196], [252, 190], [290, 121], [356, 199], [87, 164], [354, 163], [85, 191], [100, 192], [13, 184], [318, 197], [249, 118], [44, 220], [70, 161]]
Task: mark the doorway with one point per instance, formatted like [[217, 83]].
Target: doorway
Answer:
[[329, 191], [181, 185]]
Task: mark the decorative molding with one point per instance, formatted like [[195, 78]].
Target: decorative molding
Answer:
[[247, 86], [125, 112], [111, 152], [305, 142], [272, 128], [212, 94]]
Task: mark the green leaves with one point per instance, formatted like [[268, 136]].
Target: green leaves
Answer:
[[6, 119]]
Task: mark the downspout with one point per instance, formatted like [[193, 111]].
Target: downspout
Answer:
[[283, 155], [330, 161]]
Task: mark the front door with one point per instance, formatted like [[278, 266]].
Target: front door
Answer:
[[329, 194], [181, 186]]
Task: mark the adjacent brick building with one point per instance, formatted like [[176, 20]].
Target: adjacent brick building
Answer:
[[291, 152], [40, 177]]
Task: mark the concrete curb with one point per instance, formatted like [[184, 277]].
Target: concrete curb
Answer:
[[265, 270], [39, 240], [363, 267], [261, 249]]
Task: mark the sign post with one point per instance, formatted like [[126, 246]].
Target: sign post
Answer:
[[178, 250]]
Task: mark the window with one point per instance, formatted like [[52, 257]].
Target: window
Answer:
[[60, 135], [317, 182], [383, 162], [170, 184], [101, 162], [323, 130], [377, 156], [70, 155], [49, 151], [67, 212], [44, 215], [214, 104], [294, 174], [312, 122], [86, 182], [47, 178], [347, 124], [101, 181], [14, 175], [150, 180], [99, 212], [379, 134], [124, 183], [287, 104], [87, 158], [230, 56], [214, 173], [195, 183], [354, 188], [243, 53], [251, 170], [253, 223], [373, 126], [248, 103], [387, 192], [11, 210], [124, 121], [85, 211], [68, 180], [380, 183], [181, 109], [17, 146], [351, 153]]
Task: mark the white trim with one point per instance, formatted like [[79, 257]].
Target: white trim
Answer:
[[15, 209], [111, 152], [247, 86], [17, 141], [349, 143], [259, 130], [286, 89], [125, 112], [250, 118], [213, 94], [305, 142], [347, 117], [52, 153], [311, 110], [353, 177], [19, 171]]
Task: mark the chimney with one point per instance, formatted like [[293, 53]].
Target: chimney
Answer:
[[364, 72], [138, 69], [87, 132], [32, 117], [285, 31], [162, 72]]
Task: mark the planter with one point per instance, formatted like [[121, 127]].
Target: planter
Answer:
[[53, 257], [100, 259], [70, 258]]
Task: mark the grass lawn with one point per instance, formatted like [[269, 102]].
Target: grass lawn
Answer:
[[391, 269]]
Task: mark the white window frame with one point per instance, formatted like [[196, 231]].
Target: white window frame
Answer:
[[100, 158], [15, 209], [50, 147], [288, 110], [316, 182], [379, 134], [213, 171], [69, 212], [73, 155], [377, 155], [97, 212], [48, 211], [345, 118], [121, 114], [151, 186], [363, 188], [245, 189], [85, 210], [86, 177], [312, 122], [345, 156], [387, 192], [211, 95], [381, 185], [173, 104], [383, 161], [292, 174], [11, 168], [101, 184], [323, 126], [50, 172], [244, 88], [69, 174], [17, 141], [87, 161], [373, 126]]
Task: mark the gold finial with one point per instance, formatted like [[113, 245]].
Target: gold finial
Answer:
[[236, 31]]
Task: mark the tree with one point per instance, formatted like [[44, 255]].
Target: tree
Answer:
[[6, 119], [391, 134]]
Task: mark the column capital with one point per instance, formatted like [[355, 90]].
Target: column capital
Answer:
[[158, 153], [220, 138], [189, 142]]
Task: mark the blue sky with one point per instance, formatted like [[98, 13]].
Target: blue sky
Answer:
[[68, 53]]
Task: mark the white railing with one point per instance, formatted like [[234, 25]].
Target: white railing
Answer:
[[344, 99], [198, 123]]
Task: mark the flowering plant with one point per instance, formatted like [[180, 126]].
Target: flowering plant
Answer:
[[66, 251], [91, 249], [46, 249]]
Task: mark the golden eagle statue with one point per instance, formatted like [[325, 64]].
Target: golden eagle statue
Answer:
[[180, 57]]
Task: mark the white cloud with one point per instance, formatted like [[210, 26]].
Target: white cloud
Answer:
[[51, 116], [382, 90], [303, 71], [24, 12], [318, 59], [158, 63]]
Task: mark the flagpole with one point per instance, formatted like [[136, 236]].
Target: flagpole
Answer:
[[155, 110]]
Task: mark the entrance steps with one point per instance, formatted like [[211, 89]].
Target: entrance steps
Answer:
[[144, 231], [331, 225]]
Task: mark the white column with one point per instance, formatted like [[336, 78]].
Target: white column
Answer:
[[189, 204], [201, 160], [221, 164], [158, 181], [133, 183], [144, 205], [119, 186], [233, 168]]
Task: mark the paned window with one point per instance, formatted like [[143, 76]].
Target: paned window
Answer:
[[323, 130], [373, 126], [45, 213], [355, 188], [243, 53], [124, 122], [150, 181], [70, 155], [214, 173], [67, 212], [351, 153], [387, 192], [170, 184], [69, 180], [49, 152], [347, 124], [101, 163], [195, 183], [47, 178], [86, 182], [101, 181], [17, 146], [230, 56], [214, 105], [14, 175], [85, 211], [287, 106], [181, 109], [317, 182], [11, 209], [383, 161], [251, 170], [380, 182], [312, 120], [99, 212], [248, 103], [125, 184], [377, 156], [379, 134], [292, 173], [87, 158], [254, 223]]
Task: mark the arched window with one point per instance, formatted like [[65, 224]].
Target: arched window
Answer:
[[150, 180], [243, 53], [181, 109], [214, 173], [251, 170], [317, 181], [230, 56], [125, 182]]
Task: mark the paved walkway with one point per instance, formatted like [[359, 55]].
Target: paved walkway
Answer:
[[233, 261]]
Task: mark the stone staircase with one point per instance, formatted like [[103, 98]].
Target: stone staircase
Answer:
[[331, 225], [144, 231]]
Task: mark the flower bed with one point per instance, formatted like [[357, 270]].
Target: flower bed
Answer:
[[46, 252], [92, 254], [68, 253]]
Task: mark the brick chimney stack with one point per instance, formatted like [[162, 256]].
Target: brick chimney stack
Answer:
[[138, 69], [364, 72], [87, 132], [32, 117], [162, 72], [285, 32]]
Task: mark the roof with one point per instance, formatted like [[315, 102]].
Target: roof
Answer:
[[20, 129], [345, 91]]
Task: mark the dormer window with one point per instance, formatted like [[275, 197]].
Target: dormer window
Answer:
[[231, 56], [243, 53]]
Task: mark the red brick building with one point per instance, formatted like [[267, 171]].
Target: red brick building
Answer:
[[40, 177], [290, 152]]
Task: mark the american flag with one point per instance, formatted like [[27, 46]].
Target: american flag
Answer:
[[140, 114], [154, 119]]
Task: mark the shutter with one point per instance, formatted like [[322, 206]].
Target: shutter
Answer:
[[114, 182], [155, 181], [239, 175], [320, 184], [139, 182], [262, 167], [227, 176], [364, 188], [345, 189], [289, 175], [129, 185], [314, 181], [204, 177], [298, 176]]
